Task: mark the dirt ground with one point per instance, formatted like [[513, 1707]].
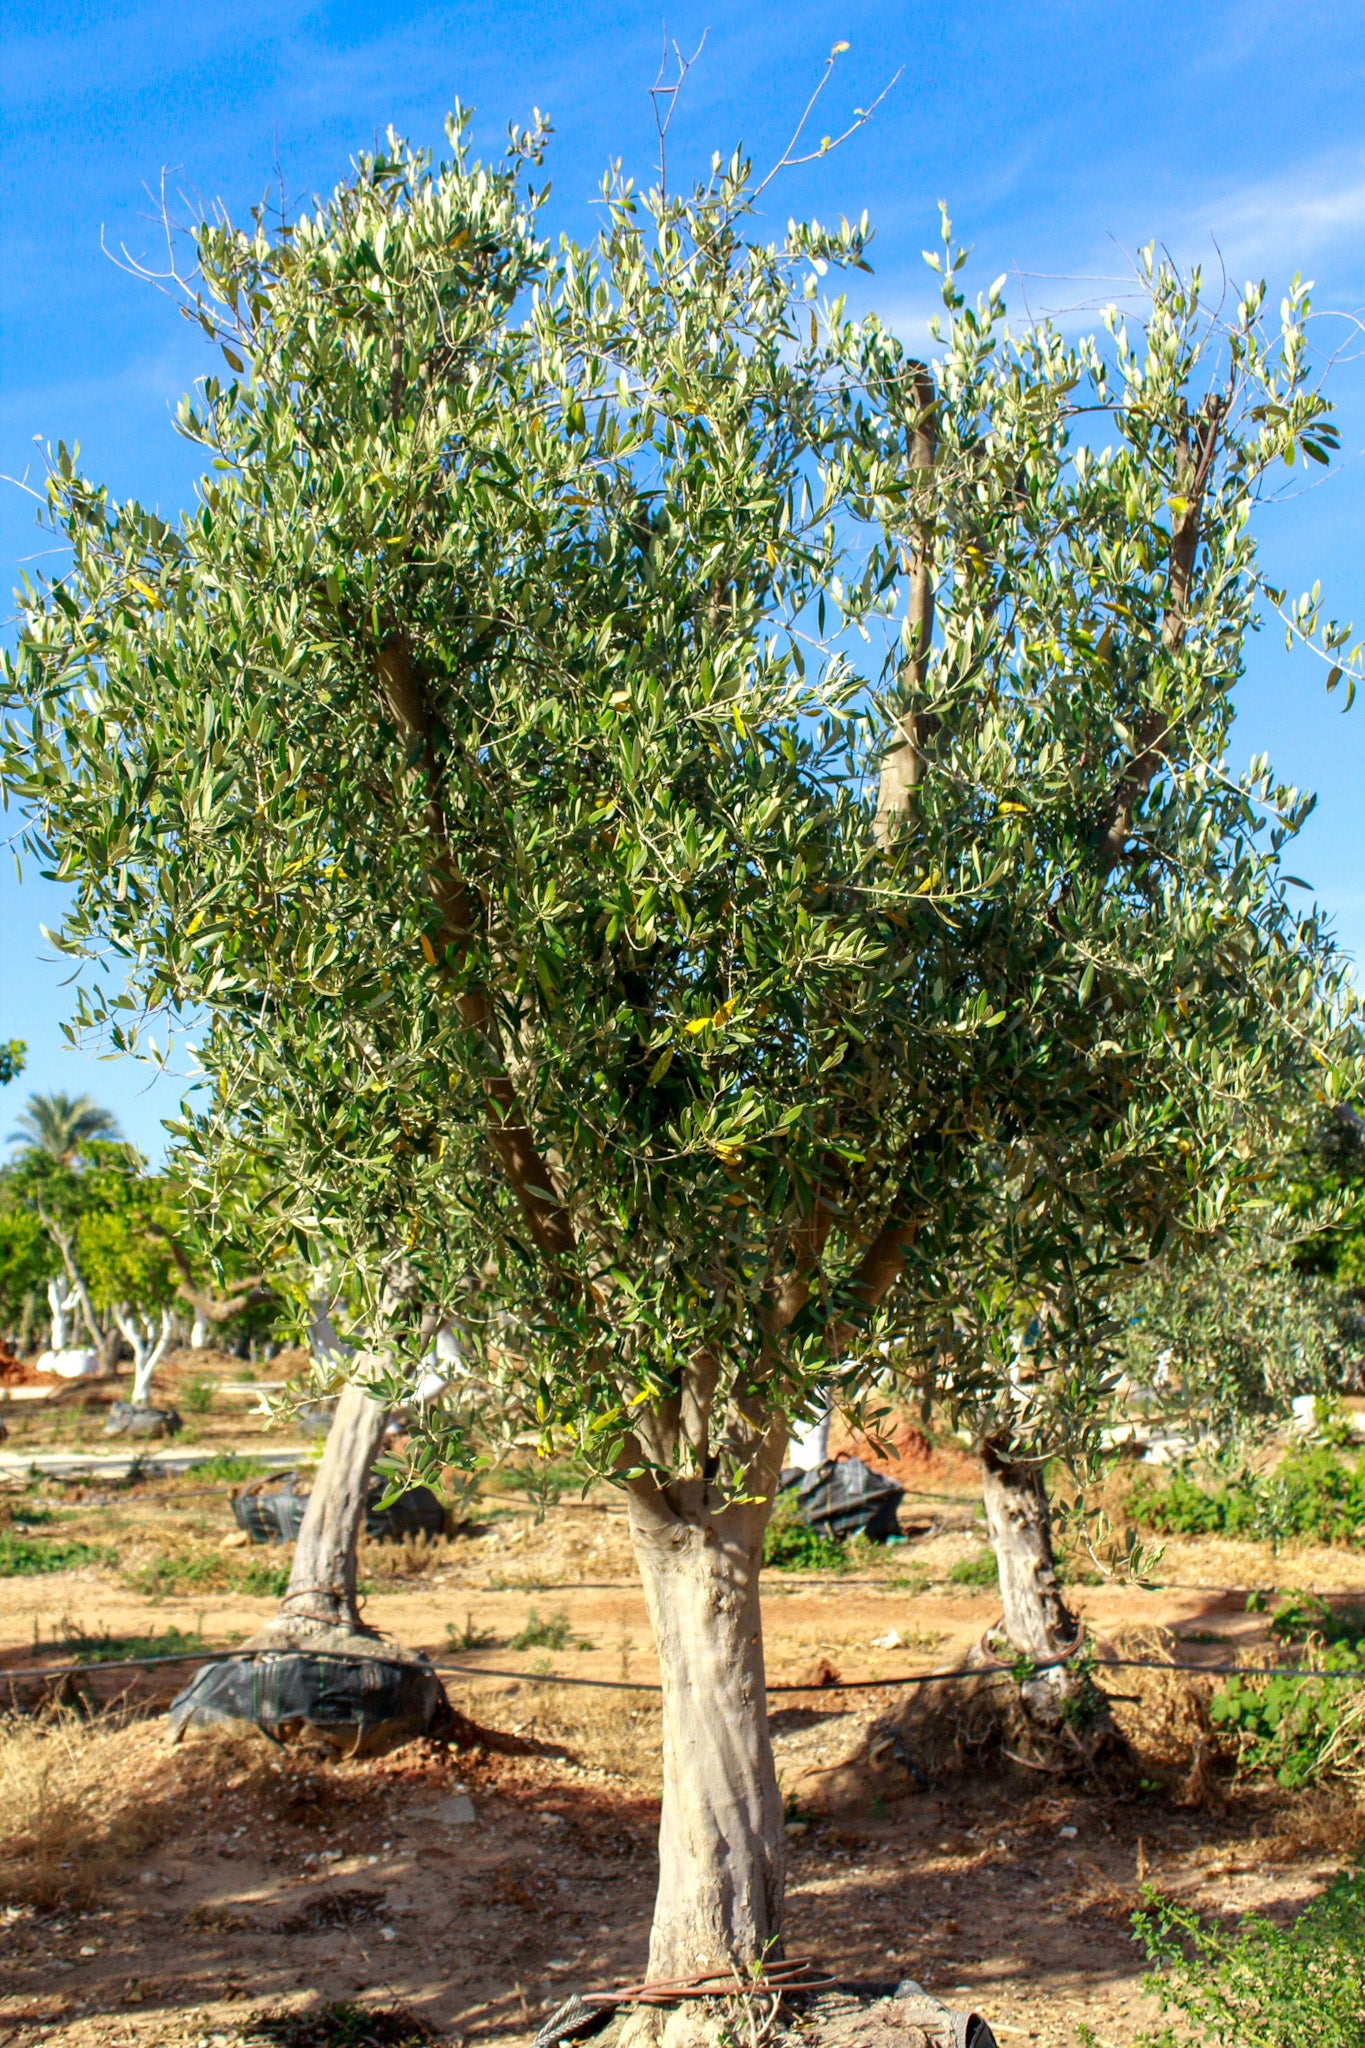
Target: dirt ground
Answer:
[[211, 1883]]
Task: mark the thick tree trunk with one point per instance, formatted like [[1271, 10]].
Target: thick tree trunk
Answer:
[[1037, 1621], [721, 1841], [319, 1608]]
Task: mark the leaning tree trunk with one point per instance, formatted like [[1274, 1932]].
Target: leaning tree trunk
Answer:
[[721, 1841], [1037, 1622], [319, 1607]]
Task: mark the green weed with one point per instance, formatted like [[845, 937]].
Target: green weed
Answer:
[[981, 1570], [469, 1637], [791, 1545], [1297, 1729], [1264, 1986], [344, 2025], [196, 1396], [228, 1467], [271, 1580], [107, 1649], [24, 1557], [554, 1633], [1300, 1615]]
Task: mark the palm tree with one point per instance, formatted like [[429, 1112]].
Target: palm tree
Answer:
[[58, 1125]]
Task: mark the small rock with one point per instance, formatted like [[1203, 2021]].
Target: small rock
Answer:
[[1067, 1834]]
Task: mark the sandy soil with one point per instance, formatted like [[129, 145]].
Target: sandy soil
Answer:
[[272, 1880]]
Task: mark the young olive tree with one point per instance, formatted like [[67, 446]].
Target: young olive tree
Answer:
[[645, 781]]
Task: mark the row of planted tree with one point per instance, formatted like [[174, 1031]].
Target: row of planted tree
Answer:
[[95, 1253], [699, 854]]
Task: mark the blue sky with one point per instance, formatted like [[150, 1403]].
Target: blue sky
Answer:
[[1062, 136]]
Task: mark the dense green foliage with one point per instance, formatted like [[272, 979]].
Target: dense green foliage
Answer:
[[495, 756], [1263, 1986], [1318, 1493]]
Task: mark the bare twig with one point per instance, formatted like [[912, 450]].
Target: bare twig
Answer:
[[662, 90]]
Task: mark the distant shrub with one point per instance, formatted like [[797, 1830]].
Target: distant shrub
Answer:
[[196, 1396], [1315, 1493]]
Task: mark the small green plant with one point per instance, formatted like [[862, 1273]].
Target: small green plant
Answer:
[[981, 1570], [25, 1557], [1262, 1986], [1299, 1730], [157, 1577], [554, 1633], [271, 1580], [1300, 1615], [226, 1467], [791, 1545], [196, 1396], [469, 1637]]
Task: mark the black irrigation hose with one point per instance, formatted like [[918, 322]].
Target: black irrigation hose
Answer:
[[904, 1678]]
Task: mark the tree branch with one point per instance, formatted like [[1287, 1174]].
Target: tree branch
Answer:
[[903, 763], [508, 1132], [1194, 467]]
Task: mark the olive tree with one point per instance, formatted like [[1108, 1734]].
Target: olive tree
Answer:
[[641, 782]]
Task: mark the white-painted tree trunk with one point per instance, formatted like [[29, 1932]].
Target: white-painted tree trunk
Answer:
[[721, 1840], [808, 1447], [1037, 1621], [148, 1345], [199, 1332], [60, 1297]]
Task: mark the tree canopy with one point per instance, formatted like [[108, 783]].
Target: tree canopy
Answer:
[[656, 792]]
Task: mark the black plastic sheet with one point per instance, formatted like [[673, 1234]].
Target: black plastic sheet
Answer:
[[360, 1705]]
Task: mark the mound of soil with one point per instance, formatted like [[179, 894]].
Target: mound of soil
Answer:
[[903, 1452]]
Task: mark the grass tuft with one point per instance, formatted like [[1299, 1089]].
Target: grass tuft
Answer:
[[342, 2025], [554, 1633]]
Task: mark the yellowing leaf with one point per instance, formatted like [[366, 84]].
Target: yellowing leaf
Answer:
[[620, 696], [428, 951], [698, 1024], [1013, 810]]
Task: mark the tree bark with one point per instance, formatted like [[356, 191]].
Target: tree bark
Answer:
[[1037, 1623], [721, 1843], [320, 1603]]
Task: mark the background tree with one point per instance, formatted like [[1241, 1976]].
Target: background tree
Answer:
[[496, 757], [12, 1057], [58, 1125]]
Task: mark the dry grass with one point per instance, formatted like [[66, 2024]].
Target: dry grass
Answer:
[[385, 1563], [79, 1799], [617, 1733], [76, 1802]]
